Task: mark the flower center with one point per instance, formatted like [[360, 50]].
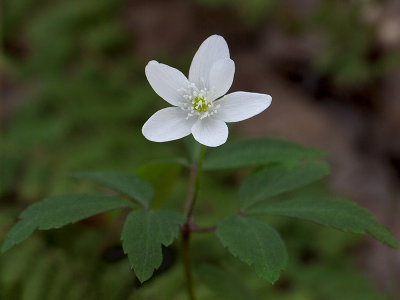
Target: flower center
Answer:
[[197, 103], [200, 104]]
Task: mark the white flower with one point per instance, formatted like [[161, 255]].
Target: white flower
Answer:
[[200, 106]]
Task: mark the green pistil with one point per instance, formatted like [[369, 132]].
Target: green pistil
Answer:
[[199, 104]]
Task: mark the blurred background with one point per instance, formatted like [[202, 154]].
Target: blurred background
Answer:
[[74, 98]]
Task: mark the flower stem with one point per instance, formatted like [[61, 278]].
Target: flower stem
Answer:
[[193, 190], [194, 184], [187, 264]]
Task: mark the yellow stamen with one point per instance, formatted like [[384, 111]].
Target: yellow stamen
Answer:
[[199, 104]]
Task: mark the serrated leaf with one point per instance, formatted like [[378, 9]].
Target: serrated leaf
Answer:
[[254, 152], [143, 234], [57, 211], [275, 180], [225, 284], [255, 243], [340, 214], [130, 185]]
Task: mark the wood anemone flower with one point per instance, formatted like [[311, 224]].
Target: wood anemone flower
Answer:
[[200, 105]]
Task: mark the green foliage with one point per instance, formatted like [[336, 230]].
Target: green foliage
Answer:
[[251, 12], [169, 285], [143, 234], [70, 270], [82, 105], [255, 152], [135, 187], [9, 166], [13, 12], [346, 46], [276, 180], [83, 268], [79, 101], [343, 215], [255, 243], [34, 288], [57, 211], [346, 52], [162, 175], [224, 283]]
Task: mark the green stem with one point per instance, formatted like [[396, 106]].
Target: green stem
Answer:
[[187, 264], [193, 190]]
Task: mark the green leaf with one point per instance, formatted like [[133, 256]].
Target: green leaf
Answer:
[[163, 176], [340, 214], [57, 211], [225, 284], [278, 179], [143, 234], [135, 187], [255, 243], [254, 152]]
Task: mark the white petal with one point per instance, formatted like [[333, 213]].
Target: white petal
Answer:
[[211, 50], [166, 81], [168, 124], [210, 132], [240, 106], [221, 77]]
